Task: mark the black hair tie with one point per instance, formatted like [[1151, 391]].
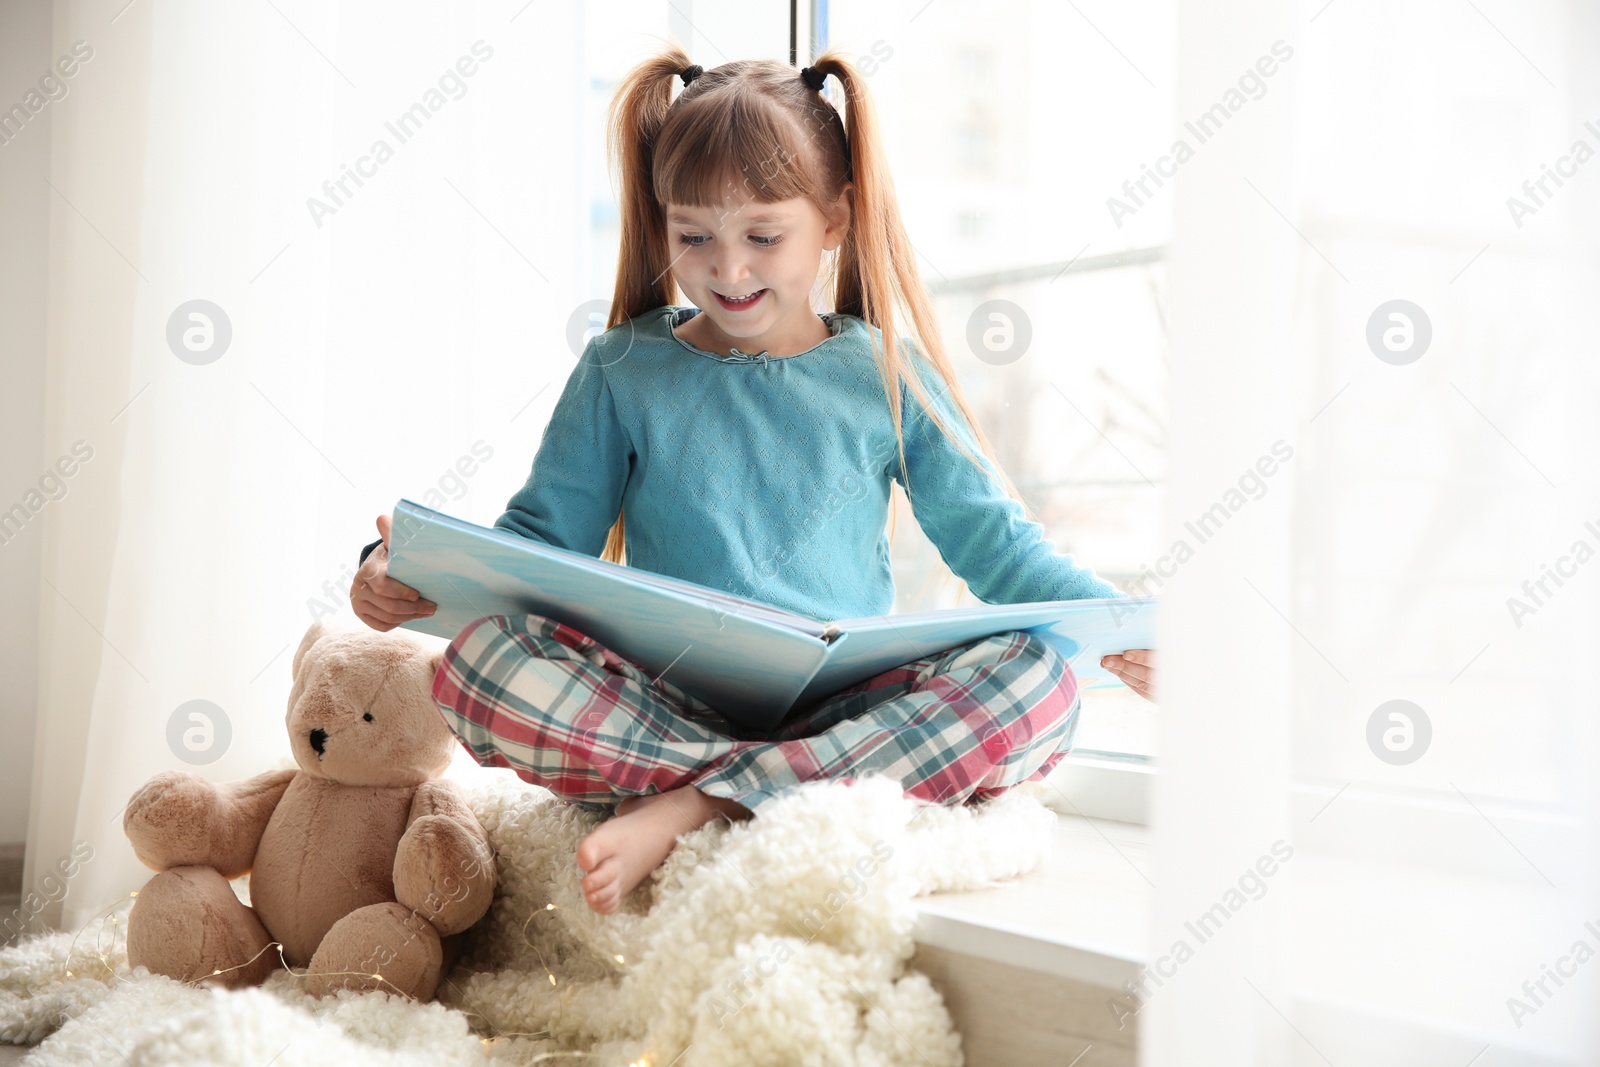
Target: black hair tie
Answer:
[[690, 73], [813, 77]]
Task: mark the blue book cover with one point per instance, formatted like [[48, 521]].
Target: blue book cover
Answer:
[[751, 661]]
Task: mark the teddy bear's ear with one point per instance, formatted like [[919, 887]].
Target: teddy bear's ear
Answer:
[[317, 632]]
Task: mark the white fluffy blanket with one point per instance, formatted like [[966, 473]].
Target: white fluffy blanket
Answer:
[[780, 940]]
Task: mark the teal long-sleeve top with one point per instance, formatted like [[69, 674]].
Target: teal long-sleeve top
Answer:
[[769, 477]]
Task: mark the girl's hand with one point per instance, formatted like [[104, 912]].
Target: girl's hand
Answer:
[[1136, 667], [377, 599]]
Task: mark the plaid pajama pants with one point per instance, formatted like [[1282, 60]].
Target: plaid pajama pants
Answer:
[[530, 694]]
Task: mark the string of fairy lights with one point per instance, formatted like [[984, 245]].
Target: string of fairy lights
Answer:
[[117, 920]]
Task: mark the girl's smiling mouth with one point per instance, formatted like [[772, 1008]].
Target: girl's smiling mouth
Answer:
[[739, 305]]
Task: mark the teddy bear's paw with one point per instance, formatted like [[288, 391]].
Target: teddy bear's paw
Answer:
[[187, 924], [169, 820], [446, 872], [380, 946]]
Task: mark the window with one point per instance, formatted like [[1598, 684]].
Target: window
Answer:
[[1002, 173]]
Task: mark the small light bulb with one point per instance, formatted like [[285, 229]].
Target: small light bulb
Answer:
[[552, 979], [549, 907], [69, 974], [216, 972], [379, 977], [619, 959]]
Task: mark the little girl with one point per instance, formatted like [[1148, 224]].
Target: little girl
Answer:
[[750, 443]]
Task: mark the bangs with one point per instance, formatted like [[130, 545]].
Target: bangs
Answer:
[[727, 144]]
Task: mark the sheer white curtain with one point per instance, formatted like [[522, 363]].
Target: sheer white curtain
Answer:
[[1338, 884], [406, 336]]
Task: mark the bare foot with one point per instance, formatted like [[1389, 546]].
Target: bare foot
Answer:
[[620, 852]]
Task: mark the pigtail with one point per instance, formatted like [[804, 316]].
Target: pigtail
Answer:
[[876, 270], [644, 276]]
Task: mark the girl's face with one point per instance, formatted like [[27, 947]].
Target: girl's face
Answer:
[[768, 254]]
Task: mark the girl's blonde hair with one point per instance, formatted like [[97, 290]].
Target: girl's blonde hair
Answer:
[[755, 128]]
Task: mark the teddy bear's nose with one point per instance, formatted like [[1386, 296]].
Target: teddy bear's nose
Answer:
[[319, 738]]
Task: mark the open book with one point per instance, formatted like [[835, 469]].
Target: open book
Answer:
[[753, 662]]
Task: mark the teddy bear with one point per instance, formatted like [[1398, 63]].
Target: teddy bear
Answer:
[[363, 863]]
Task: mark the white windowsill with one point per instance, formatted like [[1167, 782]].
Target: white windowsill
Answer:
[[1081, 915], [1084, 914]]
